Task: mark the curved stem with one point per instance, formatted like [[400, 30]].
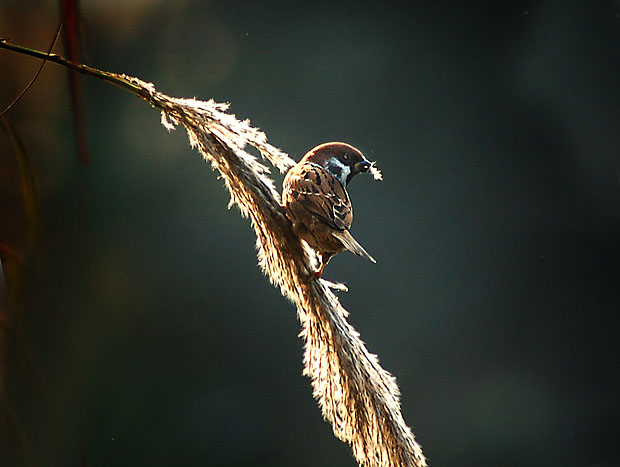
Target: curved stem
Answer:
[[113, 78]]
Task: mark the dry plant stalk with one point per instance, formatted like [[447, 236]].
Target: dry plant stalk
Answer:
[[356, 395]]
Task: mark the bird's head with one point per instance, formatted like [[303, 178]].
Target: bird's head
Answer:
[[341, 160]]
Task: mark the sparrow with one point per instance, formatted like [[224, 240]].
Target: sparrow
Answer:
[[316, 201]]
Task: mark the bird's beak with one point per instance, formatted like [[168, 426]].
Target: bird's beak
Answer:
[[362, 166]]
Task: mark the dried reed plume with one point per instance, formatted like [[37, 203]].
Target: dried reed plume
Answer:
[[357, 396]]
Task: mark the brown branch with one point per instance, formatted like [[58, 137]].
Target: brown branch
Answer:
[[356, 395], [117, 80]]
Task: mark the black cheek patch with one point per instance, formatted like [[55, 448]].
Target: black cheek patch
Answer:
[[335, 170]]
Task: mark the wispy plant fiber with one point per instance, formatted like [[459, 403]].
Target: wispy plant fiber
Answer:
[[357, 396]]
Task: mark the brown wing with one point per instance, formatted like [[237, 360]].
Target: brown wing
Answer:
[[321, 194]]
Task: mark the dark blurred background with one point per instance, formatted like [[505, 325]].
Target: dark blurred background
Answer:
[[146, 335]]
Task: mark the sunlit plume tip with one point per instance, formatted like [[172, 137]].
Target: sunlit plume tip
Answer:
[[376, 173]]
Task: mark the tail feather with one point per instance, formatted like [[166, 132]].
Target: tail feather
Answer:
[[351, 244]]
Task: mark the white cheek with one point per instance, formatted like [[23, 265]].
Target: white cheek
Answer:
[[346, 170]]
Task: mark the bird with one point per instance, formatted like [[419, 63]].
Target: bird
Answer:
[[316, 201]]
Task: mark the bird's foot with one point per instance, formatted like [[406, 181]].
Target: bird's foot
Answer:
[[319, 272]]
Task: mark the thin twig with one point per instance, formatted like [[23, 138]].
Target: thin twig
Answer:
[[121, 81]]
